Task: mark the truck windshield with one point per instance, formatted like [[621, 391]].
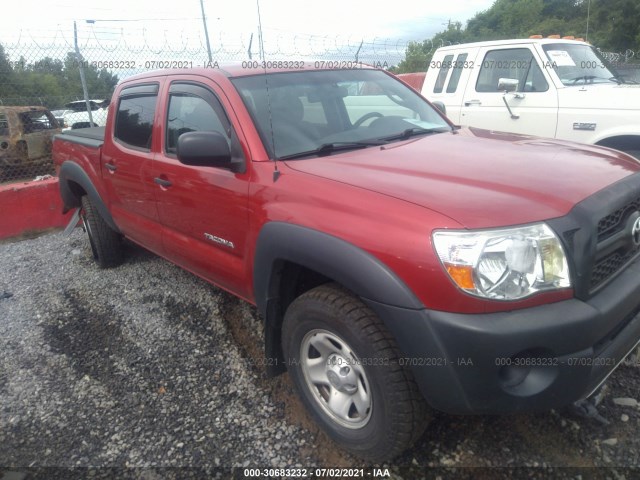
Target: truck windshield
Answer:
[[320, 112], [578, 64]]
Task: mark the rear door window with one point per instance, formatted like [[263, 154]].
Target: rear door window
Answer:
[[134, 120], [36, 121], [445, 66], [458, 65]]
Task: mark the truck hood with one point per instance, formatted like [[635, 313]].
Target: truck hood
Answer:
[[606, 96], [479, 178]]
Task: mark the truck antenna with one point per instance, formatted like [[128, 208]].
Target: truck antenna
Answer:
[[358, 51], [276, 171]]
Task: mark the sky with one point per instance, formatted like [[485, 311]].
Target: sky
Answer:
[[409, 19], [287, 25]]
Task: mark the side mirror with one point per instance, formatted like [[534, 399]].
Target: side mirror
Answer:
[[204, 149], [440, 106], [508, 85]]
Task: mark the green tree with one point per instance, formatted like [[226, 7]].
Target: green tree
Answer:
[[419, 54], [7, 81], [506, 19], [48, 65], [614, 25], [50, 81], [100, 83]]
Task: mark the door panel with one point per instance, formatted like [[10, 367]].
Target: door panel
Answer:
[[127, 167], [534, 104], [38, 144], [38, 128], [203, 210]]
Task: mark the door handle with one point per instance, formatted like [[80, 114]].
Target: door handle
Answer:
[[468, 103], [111, 167], [162, 182]]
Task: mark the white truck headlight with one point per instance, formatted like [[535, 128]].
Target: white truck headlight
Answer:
[[505, 264]]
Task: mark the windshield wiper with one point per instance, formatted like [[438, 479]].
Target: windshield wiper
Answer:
[[412, 132], [591, 78], [586, 78], [327, 148], [620, 79]]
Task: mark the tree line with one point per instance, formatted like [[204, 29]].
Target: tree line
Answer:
[[614, 26], [50, 81]]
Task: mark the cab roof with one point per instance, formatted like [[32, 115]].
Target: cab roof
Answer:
[[517, 41], [241, 69]]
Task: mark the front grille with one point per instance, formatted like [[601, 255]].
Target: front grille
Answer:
[[615, 221], [606, 268], [597, 235], [614, 228]]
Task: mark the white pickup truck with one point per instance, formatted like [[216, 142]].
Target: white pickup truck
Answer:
[[74, 114], [547, 87]]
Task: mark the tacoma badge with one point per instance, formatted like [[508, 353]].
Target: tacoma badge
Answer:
[[219, 240]]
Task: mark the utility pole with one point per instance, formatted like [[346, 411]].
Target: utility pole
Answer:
[[586, 37], [206, 32], [83, 80]]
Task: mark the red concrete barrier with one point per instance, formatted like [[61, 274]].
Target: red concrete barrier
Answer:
[[30, 207]]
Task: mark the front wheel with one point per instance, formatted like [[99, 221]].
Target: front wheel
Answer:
[[345, 366]]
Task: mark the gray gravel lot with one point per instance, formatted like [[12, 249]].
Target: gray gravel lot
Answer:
[[148, 366]]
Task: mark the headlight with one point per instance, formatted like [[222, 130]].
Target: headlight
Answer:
[[506, 264]]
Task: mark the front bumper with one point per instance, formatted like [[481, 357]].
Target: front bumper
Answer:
[[524, 360]]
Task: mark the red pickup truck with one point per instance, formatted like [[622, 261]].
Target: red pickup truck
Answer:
[[400, 263]]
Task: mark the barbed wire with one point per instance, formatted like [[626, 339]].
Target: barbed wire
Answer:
[[628, 56], [40, 68], [126, 41], [123, 41]]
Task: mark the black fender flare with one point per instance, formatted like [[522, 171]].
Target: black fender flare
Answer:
[[72, 172], [343, 262]]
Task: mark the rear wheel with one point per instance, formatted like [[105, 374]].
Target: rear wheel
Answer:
[[345, 366], [106, 244]]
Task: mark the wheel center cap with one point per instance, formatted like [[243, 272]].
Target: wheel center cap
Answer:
[[634, 222], [341, 374]]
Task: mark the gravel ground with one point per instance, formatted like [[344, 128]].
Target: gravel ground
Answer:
[[146, 366]]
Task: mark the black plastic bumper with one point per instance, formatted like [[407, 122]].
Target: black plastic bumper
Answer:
[[524, 360]]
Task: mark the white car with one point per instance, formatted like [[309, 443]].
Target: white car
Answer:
[[549, 87], [75, 115]]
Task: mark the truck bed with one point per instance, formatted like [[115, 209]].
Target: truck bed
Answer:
[[90, 137]]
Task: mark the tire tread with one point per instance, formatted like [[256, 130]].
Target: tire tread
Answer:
[[411, 414], [107, 242]]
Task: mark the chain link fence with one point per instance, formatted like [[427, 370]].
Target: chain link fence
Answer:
[[41, 86], [627, 64]]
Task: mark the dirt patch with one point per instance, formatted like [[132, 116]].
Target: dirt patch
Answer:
[[89, 333], [245, 327]]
